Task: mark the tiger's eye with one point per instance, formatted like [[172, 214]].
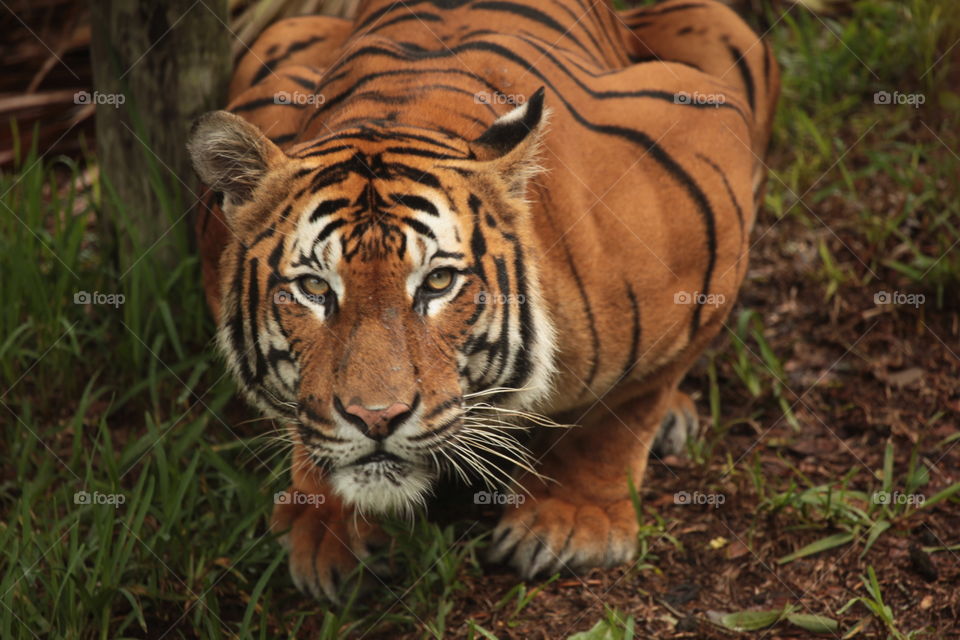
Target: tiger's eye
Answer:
[[314, 286], [439, 280]]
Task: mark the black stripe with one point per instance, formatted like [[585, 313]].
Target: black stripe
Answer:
[[588, 310], [263, 235], [501, 346], [478, 243], [416, 175], [258, 103], [419, 227], [235, 324], [327, 230], [745, 75], [275, 255], [413, 151], [382, 11], [574, 19], [634, 335], [415, 202], [253, 305], [449, 403], [428, 140], [438, 430], [309, 85], [272, 63], [522, 365], [726, 184], [680, 7], [533, 15], [323, 152], [327, 208], [422, 17]]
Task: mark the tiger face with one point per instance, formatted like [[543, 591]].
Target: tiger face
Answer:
[[376, 287]]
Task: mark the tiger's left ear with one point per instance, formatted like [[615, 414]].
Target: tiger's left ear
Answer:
[[512, 142]]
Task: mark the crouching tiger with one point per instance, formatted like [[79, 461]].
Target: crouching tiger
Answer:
[[441, 215]]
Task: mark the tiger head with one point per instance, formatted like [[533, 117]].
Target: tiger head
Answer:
[[378, 285]]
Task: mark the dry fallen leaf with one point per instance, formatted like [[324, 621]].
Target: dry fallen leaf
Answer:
[[718, 543]]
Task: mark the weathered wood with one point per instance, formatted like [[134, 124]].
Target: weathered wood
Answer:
[[156, 66]]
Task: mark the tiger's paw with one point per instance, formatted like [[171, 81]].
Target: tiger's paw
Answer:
[[554, 534], [680, 424], [326, 543]]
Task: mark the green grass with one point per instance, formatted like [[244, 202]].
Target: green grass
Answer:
[[873, 601], [834, 144], [129, 402]]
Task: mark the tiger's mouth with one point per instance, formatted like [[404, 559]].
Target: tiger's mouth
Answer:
[[383, 482], [377, 457]]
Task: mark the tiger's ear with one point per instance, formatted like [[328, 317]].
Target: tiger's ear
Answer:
[[231, 155], [512, 142]]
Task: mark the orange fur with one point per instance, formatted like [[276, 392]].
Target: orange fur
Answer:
[[640, 189]]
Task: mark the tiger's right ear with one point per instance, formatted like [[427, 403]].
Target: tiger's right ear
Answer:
[[512, 143], [231, 155]]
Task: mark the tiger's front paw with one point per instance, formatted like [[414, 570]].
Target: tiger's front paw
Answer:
[[326, 543], [553, 534]]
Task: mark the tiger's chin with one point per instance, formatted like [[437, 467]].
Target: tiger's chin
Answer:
[[383, 484]]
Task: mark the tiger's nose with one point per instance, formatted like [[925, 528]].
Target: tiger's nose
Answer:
[[375, 423]]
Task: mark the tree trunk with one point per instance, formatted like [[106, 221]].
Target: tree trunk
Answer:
[[156, 67]]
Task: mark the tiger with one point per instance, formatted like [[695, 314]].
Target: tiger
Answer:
[[434, 232]]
